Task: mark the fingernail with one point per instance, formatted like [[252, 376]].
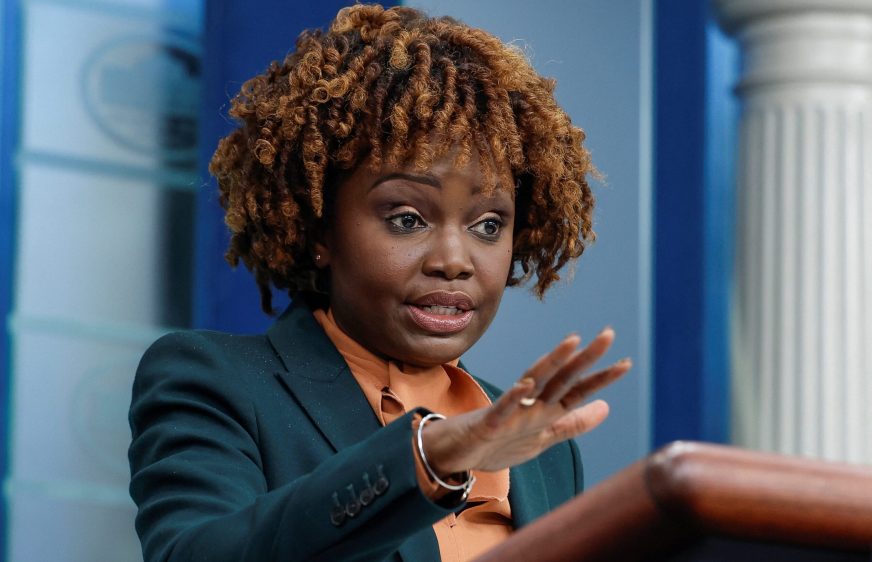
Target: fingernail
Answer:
[[606, 329], [526, 381], [626, 360]]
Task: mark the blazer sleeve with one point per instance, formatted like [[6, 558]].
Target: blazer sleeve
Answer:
[[197, 477]]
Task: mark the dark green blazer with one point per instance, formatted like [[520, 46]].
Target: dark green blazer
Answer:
[[256, 447]]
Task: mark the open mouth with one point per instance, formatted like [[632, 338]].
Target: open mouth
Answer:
[[440, 319], [442, 312]]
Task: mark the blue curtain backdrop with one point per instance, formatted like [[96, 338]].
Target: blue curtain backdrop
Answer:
[[241, 40], [695, 116]]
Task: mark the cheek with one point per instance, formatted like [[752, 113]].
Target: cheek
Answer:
[[503, 258], [494, 268], [374, 262]]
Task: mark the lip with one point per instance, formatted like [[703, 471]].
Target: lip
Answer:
[[442, 323], [457, 299]]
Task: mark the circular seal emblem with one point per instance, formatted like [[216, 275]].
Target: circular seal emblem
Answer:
[[144, 93]]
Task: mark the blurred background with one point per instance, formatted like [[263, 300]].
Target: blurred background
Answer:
[[733, 253]]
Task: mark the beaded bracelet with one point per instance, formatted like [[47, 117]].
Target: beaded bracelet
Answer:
[[470, 478]]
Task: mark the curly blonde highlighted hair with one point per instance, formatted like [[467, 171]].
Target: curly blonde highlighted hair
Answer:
[[398, 88]]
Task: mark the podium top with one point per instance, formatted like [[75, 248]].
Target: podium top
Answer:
[[687, 490]]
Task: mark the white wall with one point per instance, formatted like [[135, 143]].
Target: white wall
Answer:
[[599, 51], [96, 176]]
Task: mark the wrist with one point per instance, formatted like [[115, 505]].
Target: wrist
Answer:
[[438, 445], [461, 482]]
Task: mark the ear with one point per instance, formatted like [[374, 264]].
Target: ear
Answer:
[[319, 245], [320, 254]]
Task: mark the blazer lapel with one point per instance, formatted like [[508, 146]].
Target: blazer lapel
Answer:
[[318, 377]]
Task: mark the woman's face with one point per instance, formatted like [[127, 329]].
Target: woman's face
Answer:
[[417, 261]]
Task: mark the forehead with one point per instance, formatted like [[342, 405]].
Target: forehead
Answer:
[[442, 172], [450, 185]]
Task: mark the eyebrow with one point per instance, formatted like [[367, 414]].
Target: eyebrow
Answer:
[[417, 178]]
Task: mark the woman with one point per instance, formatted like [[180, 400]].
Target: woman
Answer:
[[392, 174]]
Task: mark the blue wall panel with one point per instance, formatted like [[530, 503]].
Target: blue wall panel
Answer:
[[722, 116], [10, 52], [240, 42], [678, 200], [694, 120]]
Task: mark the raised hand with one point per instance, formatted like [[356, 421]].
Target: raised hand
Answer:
[[540, 410]]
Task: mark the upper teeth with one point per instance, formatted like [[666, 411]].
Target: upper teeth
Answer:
[[442, 309]]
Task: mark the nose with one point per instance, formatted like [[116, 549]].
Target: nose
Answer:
[[448, 256]]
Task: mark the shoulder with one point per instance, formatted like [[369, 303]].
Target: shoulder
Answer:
[[198, 342], [198, 353], [230, 373], [202, 368]]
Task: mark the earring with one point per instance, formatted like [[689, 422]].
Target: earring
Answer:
[[317, 257]]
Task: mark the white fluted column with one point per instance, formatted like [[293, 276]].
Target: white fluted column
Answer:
[[802, 327]]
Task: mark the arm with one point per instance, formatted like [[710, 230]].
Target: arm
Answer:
[[198, 480]]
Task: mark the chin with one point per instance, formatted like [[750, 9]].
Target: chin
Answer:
[[439, 352], [426, 362]]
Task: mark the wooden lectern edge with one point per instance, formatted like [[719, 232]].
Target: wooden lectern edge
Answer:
[[766, 496], [615, 520], [686, 489]]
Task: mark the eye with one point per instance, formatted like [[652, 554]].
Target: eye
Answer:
[[406, 221], [489, 227]]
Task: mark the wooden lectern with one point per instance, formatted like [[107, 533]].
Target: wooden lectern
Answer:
[[696, 501]]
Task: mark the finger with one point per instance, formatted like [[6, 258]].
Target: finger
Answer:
[[580, 361], [580, 420], [509, 402], [594, 382], [544, 368], [533, 380]]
